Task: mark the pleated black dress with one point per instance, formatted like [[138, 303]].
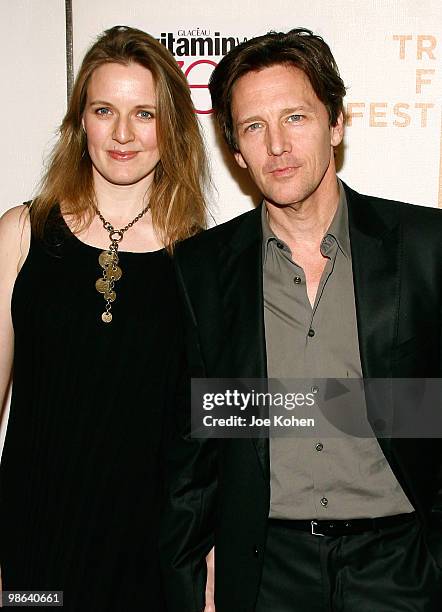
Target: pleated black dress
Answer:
[[81, 473]]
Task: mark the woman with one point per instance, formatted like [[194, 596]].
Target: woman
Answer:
[[88, 318]]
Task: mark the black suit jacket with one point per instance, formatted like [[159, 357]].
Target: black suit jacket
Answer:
[[221, 487]]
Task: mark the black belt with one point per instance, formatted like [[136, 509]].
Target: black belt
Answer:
[[346, 527]]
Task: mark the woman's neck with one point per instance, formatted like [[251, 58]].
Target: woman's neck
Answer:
[[119, 204]]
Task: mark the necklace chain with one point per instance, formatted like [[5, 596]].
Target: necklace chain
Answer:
[[108, 260], [110, 228]]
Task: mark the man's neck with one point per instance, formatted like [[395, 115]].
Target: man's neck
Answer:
[[305, 223]]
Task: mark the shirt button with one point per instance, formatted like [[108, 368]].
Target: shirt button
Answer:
[[311, 332], [279, 245], [324, 501], [297, 280], [319, 446]]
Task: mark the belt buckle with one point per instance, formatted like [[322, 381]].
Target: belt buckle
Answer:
[[315, 533]]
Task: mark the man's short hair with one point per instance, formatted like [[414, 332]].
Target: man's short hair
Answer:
[[300, 48]]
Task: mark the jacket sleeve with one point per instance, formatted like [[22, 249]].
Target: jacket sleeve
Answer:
[[188, 519], [188, 522]]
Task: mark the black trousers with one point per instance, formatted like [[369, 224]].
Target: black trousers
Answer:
[[388, 570]]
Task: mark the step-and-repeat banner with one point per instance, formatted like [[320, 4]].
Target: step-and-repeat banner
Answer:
[[388, 51]]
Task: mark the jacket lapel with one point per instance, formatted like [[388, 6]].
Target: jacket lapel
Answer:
[[243, 308], [375, 247]]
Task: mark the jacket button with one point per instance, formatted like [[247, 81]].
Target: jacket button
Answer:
[[255, 551]]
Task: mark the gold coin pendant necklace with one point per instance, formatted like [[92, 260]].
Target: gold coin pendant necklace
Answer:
[[108, 260]]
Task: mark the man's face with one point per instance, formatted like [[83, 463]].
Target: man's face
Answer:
[[283, 134]]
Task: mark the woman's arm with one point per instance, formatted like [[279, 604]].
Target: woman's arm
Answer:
[[15, 237], [14, 246]]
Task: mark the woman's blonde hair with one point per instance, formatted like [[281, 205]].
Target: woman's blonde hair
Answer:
[[177, 193]]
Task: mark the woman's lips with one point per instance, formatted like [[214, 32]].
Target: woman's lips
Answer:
[[122, 155]]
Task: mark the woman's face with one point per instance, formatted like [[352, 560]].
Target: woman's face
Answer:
[[120, 124]]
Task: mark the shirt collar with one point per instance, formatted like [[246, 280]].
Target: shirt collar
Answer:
[[267, 234], [338, 227]]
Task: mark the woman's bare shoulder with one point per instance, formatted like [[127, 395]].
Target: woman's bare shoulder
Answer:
[[15, 219], [15, 236]]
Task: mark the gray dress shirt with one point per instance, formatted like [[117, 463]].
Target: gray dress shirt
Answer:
[[340, 478]]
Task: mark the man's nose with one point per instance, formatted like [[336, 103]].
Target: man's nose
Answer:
[[122, 130], [277, 140]]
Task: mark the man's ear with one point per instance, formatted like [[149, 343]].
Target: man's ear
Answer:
[[337, 131], [240, 159]]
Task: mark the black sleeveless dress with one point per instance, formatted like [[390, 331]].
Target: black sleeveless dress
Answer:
[[81, 472]]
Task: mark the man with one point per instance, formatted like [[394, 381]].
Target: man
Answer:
[[319, 281]]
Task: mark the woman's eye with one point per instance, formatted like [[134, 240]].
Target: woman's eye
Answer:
[[102, 111], [144, 114]]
